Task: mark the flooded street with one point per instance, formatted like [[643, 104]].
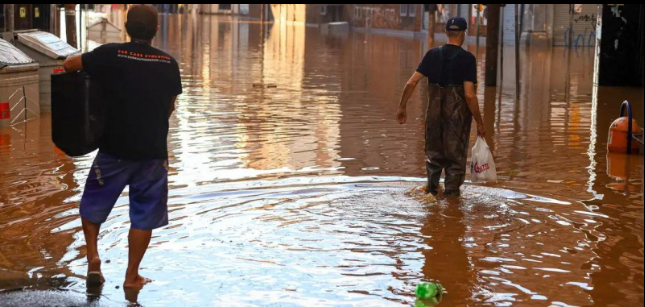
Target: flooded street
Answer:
[[290, 184]]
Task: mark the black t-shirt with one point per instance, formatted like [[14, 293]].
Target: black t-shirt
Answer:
[[458, 66], [139, 82]]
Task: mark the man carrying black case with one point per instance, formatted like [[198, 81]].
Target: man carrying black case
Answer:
[[140, 85]]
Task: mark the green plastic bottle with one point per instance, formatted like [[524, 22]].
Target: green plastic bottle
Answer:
[[428, 290]]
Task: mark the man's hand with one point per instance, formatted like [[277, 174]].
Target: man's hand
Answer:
[[481, 131], [73, 63], [402, 115]]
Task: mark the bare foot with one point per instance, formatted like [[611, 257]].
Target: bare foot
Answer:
[[94, 275], [132, 295], [135, 283]]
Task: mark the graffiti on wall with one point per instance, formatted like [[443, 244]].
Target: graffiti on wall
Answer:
[[377, 17], [586, 38]]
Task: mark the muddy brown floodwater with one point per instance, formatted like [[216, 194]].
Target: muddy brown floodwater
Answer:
[[289, 175]]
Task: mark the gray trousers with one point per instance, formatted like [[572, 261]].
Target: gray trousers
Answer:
[[447, 132]]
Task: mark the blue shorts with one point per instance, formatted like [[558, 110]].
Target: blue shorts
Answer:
[[148, 181]]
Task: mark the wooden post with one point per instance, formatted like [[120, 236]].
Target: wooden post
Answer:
[[58, 21], [53, 11], [477, 21], [9, 23], [70, 24], [492, 44], [501, 56], [501, 64], [518, 31], [431, 16], [489, 113], [570, 36]]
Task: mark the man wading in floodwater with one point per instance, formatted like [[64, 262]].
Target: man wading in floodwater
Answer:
[[452, 102], [141, 84]]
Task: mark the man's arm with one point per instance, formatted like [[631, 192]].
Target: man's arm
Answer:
[[402, 114], [473, 105], [73, 63], [172, 106]]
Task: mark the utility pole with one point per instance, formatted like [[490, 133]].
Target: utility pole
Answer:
[[70, 24], [501, 64], [53, 16], [478, 21], [492, 44], [8, 18], [432, 9], [518, 31]]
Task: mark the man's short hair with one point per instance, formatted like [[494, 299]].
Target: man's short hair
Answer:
[[453, 34], [142, 21]]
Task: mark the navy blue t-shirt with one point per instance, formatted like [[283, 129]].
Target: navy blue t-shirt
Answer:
[[458, 66], [139, 82]]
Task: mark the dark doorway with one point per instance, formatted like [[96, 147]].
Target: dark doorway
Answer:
[[41, 16], [22, 16], [335, 12]]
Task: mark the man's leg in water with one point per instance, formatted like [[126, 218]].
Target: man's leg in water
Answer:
[[138, 241], [434, 141], [434, 166], [106, 180], [456, 157], [91, 232], [458, 120], [148, 211]]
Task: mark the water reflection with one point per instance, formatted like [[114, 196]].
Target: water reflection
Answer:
[[446, 259], [41, 170], [288, 179]]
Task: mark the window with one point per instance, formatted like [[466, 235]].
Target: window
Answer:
[[323, 9], [408, 10], [412, 10], [404, 10]]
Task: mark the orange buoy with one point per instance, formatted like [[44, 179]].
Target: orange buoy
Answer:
[[623, 132], [618, 136]]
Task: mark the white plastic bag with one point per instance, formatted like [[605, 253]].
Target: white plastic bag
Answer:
[[482, 166]]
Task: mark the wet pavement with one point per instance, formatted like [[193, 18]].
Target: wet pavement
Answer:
[[290, 185]]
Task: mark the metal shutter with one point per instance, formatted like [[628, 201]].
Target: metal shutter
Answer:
[[509, 24], [462, 11], [584, 32]]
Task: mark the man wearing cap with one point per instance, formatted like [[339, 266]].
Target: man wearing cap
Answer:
[[452, 103], [141, 84]]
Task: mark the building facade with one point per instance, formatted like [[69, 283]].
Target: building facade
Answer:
[[551, 23]]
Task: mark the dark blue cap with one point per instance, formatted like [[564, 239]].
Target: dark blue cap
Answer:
[[456, 24]]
